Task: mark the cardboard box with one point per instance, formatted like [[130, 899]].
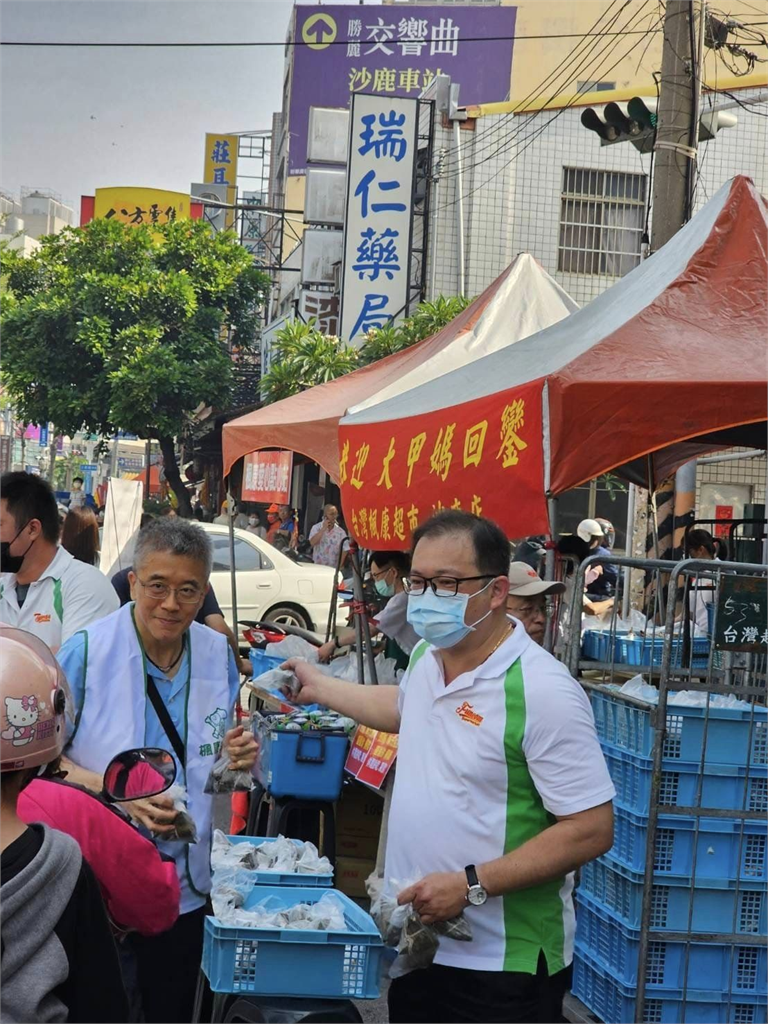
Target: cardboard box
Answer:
[[350, 875], [358, 812], [365, 847]]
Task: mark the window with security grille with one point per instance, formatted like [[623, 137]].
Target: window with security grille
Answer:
[[602, 215]]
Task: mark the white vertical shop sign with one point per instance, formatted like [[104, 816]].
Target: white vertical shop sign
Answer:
[[377, 225]]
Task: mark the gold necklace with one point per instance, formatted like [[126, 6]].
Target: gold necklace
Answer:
[[500, 641]]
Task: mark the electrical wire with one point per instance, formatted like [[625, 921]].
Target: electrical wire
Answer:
[[538, 91], [744, 103], [534, 136], [80, 44], [510, 141]]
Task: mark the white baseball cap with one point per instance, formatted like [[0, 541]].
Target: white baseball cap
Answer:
[[526, 582], [589, 528]]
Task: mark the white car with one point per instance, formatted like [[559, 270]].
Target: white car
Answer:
[[269, 584]]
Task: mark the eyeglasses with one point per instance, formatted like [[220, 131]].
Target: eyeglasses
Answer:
[[442, 586], [380, 574], [159, 591]]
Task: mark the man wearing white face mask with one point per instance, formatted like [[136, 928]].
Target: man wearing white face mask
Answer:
[[388, 570], [501, 789]]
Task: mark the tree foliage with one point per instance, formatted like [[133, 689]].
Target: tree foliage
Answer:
[[303, 356], [109, 327]]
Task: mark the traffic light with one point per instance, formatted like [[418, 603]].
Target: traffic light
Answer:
[[635, 122]]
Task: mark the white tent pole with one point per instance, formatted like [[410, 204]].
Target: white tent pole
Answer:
[[629, 549], [459, 209]]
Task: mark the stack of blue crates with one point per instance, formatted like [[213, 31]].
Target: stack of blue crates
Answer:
[[707, 881]]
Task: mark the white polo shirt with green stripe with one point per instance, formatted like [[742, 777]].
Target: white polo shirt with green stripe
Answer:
[[483, 765], [68, 596]]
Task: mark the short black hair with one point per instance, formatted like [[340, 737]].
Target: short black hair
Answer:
[[491, 546], [30, 497], [700, 539], [400, 560], [76, 478]]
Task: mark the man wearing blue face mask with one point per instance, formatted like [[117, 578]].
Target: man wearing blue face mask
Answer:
[[501, 790], [388, 570]]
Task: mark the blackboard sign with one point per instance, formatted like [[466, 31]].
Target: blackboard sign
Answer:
[[742, 614]]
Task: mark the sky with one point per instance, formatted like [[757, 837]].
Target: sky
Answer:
[[73, 120]]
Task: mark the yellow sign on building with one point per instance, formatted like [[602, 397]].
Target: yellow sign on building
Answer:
[[220, 159], [136, 206]]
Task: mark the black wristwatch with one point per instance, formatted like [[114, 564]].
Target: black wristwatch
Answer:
[[476, 894]]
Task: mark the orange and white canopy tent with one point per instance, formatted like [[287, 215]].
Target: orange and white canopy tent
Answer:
[[521, 301], [668, 363]]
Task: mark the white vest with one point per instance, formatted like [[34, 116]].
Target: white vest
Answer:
[[113, 715]]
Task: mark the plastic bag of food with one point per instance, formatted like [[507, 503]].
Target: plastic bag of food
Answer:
[[279, 679], [223, 779], [325, 915], [184, 829], [401, 927]]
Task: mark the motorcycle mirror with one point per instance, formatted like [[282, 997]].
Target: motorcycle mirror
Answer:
[[139, 773]]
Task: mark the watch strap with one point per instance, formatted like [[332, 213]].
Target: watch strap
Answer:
[[471, 874]]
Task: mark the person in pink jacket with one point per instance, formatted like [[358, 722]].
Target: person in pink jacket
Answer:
[[140, 889]]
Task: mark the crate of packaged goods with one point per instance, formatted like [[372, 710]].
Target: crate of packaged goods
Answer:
[[288, 962], [610, 1000], [715, 905], [723, 786], [302, 755], [268, 876], [691, 848], [718, 967], [734, 736]]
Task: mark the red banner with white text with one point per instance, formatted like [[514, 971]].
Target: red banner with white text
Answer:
[[483, 456]]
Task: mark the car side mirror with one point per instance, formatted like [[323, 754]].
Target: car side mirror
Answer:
[[136, 774]]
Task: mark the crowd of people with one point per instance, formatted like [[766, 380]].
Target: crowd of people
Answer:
[[91, 666]]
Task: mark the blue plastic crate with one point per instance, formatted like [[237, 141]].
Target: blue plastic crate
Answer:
[[282, 877], [648, 650], [734, 735], [718, 905], [613, 1002], [292, 962], [704, 965], [724, 786], [600, 644], [717, 852], [307, 765]]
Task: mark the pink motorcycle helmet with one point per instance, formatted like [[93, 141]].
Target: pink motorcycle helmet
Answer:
[[34, 695]]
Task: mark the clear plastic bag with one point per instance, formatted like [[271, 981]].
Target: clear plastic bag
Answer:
[[325, 915], [223, 779], [292, 647], [279, 855], [402, 928], [279, 679], [184, 828]]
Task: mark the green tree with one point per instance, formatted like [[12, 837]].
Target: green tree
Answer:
[[110, 327], [427, 319], [302, 357]]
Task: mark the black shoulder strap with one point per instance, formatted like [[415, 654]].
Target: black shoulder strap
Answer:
[[166, 721]]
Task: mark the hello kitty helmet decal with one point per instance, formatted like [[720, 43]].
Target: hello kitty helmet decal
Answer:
[[34, 695]]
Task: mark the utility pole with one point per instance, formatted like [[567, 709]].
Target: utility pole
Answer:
[[677, 129], [674, 177]]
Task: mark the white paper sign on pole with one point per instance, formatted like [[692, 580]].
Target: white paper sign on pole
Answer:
[[122, 518], [377, 227]]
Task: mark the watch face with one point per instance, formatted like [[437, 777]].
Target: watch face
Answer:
[[477, 895]]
